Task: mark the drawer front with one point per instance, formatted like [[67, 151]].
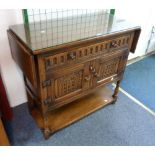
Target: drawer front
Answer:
[[88, 52], [120, 42], [78, 54]]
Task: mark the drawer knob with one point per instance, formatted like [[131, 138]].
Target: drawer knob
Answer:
[[96, 75], [91, 68], [94, 70], [113, 44], [87, 78], [72, 56]]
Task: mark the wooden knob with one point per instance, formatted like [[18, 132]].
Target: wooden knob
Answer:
[[91, 68], [94, 70], [72, 56], [87, 78], [113, 44], [96, 75]]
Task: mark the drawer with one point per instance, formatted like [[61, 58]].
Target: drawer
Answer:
[[78, 54], [120, 42], [87, 52]]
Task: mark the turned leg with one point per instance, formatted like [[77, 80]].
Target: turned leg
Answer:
[[46, 133], [115, 95], [46, 130]]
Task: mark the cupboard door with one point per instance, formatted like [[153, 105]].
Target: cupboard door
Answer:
[[110, 68], [65, 83]]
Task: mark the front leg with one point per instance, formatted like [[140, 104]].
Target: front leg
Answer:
[[46, 133], [115, 95], [46, 130]]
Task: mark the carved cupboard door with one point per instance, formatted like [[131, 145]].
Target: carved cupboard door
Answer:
[[66, 82], [110, 68]]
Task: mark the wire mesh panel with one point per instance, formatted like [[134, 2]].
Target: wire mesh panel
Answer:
[[58, 26], [47, 14]]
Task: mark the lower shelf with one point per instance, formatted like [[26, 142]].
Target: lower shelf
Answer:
[[74, 111]]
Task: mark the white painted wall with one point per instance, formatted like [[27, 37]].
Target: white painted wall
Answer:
[[11, 74], [151, 45], [143, 17]]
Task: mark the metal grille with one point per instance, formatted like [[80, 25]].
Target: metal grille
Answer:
[[58, 26]]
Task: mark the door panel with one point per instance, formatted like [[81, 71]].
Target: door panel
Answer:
[[68, 83], [65, 82], [109, 68]]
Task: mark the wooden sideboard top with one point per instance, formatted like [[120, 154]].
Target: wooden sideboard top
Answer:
[[40, 37]]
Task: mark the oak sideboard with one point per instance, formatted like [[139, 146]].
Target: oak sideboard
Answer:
[[68, 64]]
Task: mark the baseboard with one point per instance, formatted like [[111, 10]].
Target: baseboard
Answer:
[[138, 58]]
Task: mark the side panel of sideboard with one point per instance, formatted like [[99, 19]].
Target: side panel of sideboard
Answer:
[[23, 58]]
